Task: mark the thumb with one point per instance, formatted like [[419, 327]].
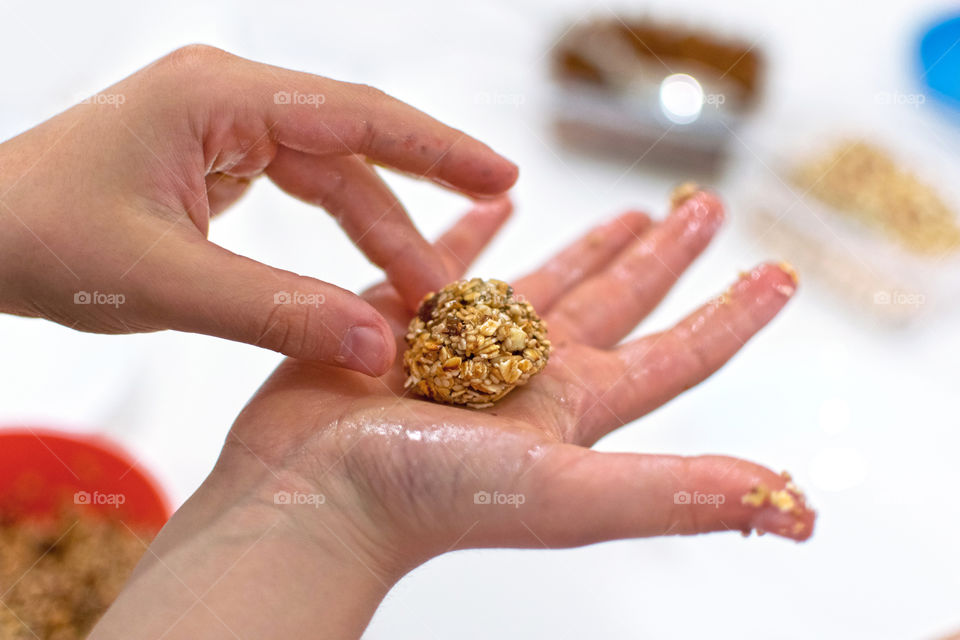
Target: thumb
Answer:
[[210, 290]]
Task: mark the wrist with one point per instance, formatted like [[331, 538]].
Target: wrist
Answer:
[[8, 234], [24, 254], [264, 555]]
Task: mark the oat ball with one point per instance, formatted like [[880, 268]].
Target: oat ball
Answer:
[[473, 342]]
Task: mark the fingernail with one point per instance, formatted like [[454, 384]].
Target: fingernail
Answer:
[[362, 347], [789, 269]]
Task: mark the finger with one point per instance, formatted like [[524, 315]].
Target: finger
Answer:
[[585, 257], [207, 289], [369, 213], [462, 243], [459, 246], [321, 116], [625, 495], [658, 367], [605, 308], [223, 190]]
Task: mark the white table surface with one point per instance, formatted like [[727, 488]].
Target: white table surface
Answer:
[[863, 416]]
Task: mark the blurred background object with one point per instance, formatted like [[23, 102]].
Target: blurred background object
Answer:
[[940, 59], [863, 416], [664, 91], [868, 209], [76, 515]]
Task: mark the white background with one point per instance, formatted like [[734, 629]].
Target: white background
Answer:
[[862, 415]]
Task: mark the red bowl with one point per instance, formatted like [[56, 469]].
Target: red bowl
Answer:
[[42, 472]]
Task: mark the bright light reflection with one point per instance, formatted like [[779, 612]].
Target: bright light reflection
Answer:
[[681, 98]]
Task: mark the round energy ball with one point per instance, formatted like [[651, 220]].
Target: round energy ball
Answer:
[[473, 342]]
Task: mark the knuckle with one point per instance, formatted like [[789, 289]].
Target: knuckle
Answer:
[[196, 62], [194, 73], [192, 56], [683, 519], [688, 358], [697, 354], [369, 92], [295, 329], [368, 136]]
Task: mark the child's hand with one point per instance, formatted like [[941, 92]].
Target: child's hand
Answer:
[[104, 209], [373, 482], [418, 464]]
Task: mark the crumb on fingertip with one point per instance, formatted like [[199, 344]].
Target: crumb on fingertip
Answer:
[[789, 269], [790, 499], [682, 192]]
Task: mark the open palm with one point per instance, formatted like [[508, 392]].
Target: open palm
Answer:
[[421, 478]]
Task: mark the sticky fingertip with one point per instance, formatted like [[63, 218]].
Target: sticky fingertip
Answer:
[[782, 511], [701, 208], [789, 269], [770, 275], [784, 277]]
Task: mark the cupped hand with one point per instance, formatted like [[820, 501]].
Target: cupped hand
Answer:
[[104, 209], [416, 478]]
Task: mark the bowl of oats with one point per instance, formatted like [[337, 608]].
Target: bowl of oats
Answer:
[[871, 212], [76, 515]]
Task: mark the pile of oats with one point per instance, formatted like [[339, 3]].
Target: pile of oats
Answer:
[[864, 181], [473, 342], [61, 576]]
